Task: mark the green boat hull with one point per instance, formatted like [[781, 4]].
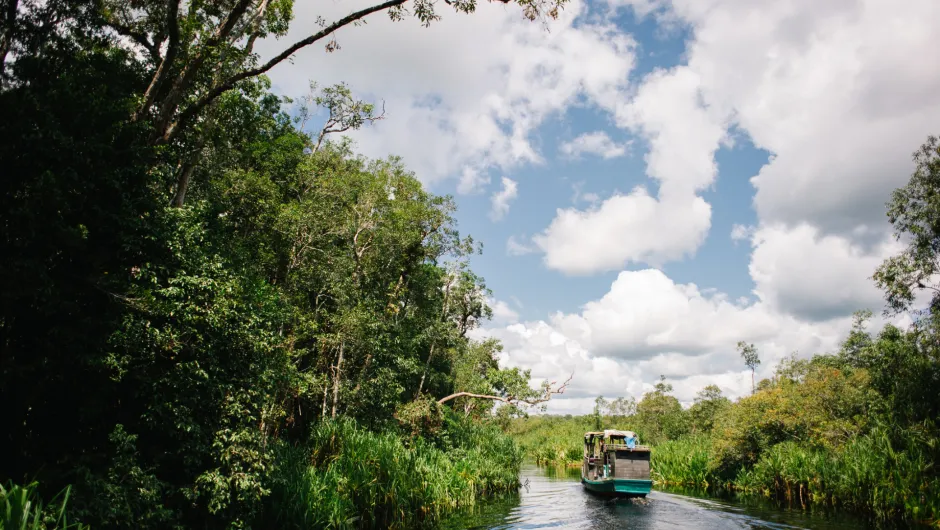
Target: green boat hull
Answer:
[[619, 487]]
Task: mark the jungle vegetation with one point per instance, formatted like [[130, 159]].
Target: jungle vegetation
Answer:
[[215, 314]]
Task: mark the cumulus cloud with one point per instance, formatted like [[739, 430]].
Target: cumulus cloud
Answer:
[[630, 228], [594, 143], [834, 90], [801, 272], [646, 325], [500, 200], [638, 228], [683, 134], [469, 90], [502, 313]]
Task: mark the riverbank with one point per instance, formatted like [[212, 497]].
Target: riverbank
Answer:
[[554, 498], [854, 430], [347, 476], [872, 474], [351, 477]]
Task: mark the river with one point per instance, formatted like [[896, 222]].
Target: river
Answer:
[[556, 499]]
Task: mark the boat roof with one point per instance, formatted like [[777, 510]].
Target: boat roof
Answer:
[[611, 433]]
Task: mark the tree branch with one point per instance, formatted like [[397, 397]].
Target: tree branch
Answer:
[[549, 392], [171, 103], [256, 25], [9, 28], [173, 28], [194, 109], [139, 38]]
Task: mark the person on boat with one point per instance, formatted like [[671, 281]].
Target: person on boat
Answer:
[[631, 441]]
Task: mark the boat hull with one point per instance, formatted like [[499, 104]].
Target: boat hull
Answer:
[[618, 487]]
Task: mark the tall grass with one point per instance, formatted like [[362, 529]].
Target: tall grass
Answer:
[[887, 476], [682, 462], [347, 477], [887, 473], [555, 441], [22, 509]]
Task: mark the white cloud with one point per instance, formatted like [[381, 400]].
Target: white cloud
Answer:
[[683, 136], [500, 200], [624, 229], [502, 313], [682, 133], [515, 247], [470, 89], [579, 195], [798, 271], [835, 90], [645, 313], [741, 232], [472, 181], [647, 325], [595, 143]]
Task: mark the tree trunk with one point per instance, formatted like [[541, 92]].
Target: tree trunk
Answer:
[[427, 364], [325, 393], [753, 387], [336, 376], [6, 40], [182, 184], [362, 374], [424, 374]]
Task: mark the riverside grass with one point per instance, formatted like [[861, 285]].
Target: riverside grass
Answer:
[[22, 509], [348, 477], [888, 475]]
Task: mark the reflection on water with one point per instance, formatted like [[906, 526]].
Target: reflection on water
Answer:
[[555, 499]]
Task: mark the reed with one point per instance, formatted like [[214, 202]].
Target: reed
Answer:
[[22, 509], [682, 462], [348, 477], [888, 473]]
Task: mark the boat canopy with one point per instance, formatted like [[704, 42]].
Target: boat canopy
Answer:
[[611, 433]]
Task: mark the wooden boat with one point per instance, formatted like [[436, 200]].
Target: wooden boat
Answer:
[[615, 464]]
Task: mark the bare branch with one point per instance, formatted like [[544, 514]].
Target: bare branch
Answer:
[[547, 395], [342, 123], [187, 115]]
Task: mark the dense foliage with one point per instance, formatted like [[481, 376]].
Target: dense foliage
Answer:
[[858, 427], [192, 282], [360, 478]]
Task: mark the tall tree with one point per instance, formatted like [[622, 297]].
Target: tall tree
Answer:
[[914, 212], [709, 403], [751, 359]]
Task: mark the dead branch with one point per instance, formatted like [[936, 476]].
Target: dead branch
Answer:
[[512, 400]]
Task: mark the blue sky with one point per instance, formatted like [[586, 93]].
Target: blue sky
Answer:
[[786, 124], [720, 263]]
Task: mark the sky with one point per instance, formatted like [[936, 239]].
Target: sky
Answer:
[[653, 180]]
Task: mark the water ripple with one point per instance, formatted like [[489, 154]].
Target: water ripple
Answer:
[[556, 499]]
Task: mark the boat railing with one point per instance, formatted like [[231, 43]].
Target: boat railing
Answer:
[[625, 447]]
